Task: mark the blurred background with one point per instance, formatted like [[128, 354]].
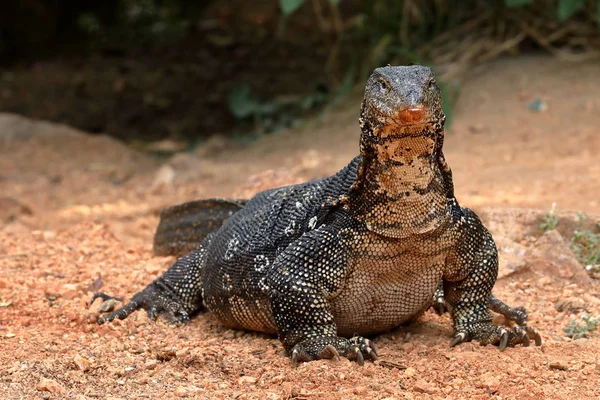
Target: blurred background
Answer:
[[186, 70], [126, 106]]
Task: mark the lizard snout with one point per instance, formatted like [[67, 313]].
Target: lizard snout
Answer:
[[413, 115]]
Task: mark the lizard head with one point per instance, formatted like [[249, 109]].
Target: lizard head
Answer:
[[401, 101], [401, 116], [402, 98]]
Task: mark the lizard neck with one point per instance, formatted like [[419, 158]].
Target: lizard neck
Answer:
[[401, 189]]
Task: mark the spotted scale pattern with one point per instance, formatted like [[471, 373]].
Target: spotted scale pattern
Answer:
[[357, 253]]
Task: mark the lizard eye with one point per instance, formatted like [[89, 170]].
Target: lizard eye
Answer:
[[432, 84], [383, 85]]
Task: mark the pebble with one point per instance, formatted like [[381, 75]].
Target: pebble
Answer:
[[181, 391], [50, 385], [246, 379], [558, 365], [81, 363]]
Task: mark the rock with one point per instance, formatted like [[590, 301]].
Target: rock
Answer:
[[409, 372], [50, 385], [558, 365], [422, 386], [510, 256], [107, 306], [551, 256], [360, 390], [491, 381], [181, 391], [246, 379], [81, 363]]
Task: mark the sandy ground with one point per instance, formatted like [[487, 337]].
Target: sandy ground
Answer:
[[77, 213]]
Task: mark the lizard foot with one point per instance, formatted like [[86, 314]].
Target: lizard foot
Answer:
[[503, 337], [150, 299], [356, 349], [516, 314]]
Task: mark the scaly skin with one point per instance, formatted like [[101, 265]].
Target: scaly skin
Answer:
[[358, 253]]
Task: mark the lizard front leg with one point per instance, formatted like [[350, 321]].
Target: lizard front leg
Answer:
[[303, 279], [472, 272]]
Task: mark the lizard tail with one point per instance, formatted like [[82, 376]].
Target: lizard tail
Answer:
[[183, 227]]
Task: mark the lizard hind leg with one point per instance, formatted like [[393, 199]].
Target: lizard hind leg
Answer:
[[175, 296]]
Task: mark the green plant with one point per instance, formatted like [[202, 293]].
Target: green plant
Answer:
[[271, 115], [137, 23], [550, 220], [577, 331], [586, 244]]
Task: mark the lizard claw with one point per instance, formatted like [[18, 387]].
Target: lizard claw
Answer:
[[458, 339], [355, 349], [104, 297], [490, 333], [439, 302], [503, 340]]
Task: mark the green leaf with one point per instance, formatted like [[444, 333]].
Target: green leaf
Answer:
[[517, 3], [242, 103], [567, 8], [289, 6]]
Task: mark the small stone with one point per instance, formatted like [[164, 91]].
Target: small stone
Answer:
[[581, 341], [360, 390], [107, 306], [421, 386], [246, 380], [558, 365], [50, 385], [409, 372], [181, 391], [81, 363]]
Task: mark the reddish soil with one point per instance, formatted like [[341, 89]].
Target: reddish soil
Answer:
[[75, 207]]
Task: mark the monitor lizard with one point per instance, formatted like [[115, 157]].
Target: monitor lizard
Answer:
[[328, 263]]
